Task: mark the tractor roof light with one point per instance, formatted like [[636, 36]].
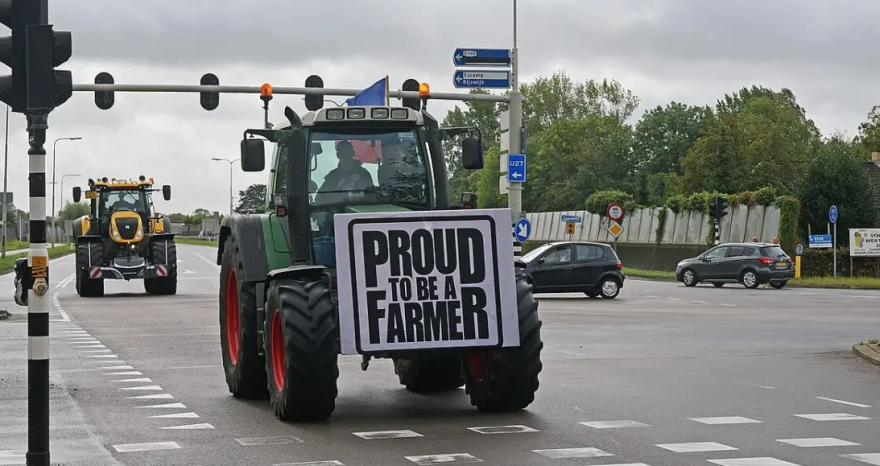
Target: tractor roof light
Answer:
[[142, 178], [424, 90], [266, 92]]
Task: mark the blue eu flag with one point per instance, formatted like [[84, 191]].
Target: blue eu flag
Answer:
[[377, 94]]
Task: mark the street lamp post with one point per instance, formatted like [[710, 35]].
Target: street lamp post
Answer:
[[5, 178], [53, 182], [72, 175], [231, 162]]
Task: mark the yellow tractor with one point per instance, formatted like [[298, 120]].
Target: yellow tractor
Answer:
[[124, 238]]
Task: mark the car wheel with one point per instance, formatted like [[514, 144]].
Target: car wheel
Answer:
[[609, 288], [718, 285], [778, 284], [689, 277], [749, 279]]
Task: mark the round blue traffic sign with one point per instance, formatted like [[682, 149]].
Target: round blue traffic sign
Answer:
[[832, 214], [522, 230]]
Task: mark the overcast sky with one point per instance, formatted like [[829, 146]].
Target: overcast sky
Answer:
[[691, 51]]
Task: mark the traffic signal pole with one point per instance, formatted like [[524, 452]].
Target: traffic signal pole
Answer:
[[514, 190]]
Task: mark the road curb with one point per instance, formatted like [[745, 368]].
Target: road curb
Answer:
[[869, 352]]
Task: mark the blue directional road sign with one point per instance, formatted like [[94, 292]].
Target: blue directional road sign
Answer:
[[481, 57], [522, 230], [820, 241], [489, 79], [832, 214], [516, 168], [571, 219]]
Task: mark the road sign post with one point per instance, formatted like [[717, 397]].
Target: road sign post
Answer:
[[832, 216]]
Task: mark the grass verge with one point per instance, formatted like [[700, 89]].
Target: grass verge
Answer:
[[196, 241], [852, 283], [7, 264]]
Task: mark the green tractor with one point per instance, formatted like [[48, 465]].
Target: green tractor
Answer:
[[360, 252]]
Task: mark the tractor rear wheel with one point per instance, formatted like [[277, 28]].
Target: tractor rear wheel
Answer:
[[163, 253], [506, 379], [89, 253], [430, 375], [301, 353], [244, 367]]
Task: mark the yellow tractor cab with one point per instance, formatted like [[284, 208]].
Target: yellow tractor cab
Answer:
[[123, 237]]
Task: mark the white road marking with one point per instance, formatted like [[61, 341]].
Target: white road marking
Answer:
[[104, 356], [843, 402], [762, 461], [446, 458], [132, 447], [869, 458], [386, 434], [807, 293], [862, 296], [167, 405], [755, 385], [207, 261], [675, 299], [161, 396], [96, 351], [204, 426], [313, 463], [699, 302], [144, 387], [696, 447], [12, 456], [729, 305], [117, 367], [818, 442], [517, 429], [268, 440], [176, 416], [613, 424], [124, 373], [143, 379], [833, 417], [586, 452], [725, 420], [91, 346]]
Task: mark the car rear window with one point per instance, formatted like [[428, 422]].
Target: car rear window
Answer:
[[772, 251]]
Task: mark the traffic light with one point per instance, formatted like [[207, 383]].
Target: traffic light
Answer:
[[16, 15], [719, 207], [104, 99], [47, 88], [209, 100], [314, 101], [414, 103]]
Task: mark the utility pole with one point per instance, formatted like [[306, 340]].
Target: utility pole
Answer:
[[54, 214], [514, 194], [231, 162], [5, 179]]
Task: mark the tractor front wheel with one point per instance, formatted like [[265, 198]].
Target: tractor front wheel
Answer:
[[244, 367], [89, 254], [301, 353], [506, 379], [430, 375]]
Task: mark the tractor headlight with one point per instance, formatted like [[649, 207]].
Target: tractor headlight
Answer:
[[115, 233], [335, 114], [139, 235]]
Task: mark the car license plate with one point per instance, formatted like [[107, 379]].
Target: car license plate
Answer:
[[782, 264]]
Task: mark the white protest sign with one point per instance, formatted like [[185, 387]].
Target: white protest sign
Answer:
[[864, 242], [420, 280]]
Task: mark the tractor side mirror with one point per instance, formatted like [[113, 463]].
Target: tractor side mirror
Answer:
[[472, 154], [166, 192], [253, 155], [77, 194]]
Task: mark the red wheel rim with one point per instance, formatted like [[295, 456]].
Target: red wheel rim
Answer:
[[277, 344], [232, 321], [478, 364]]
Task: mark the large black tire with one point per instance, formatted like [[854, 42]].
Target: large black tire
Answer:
[[510, 378], [301, 351], [430, 375], [163, 252], [88, 253], [244, 367]]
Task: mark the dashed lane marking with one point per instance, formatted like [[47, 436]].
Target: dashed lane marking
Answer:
[[202, 426], [725, 420], [446, 458], [313, 463], [869, 458], [134, 447], [696, 447], [517, 429], [124, 373], [139, 380], [112, 368], [583, 452], [387, 434], [762, 461], [12, 456], [189, 415], [613, 424], [818, 442], [843, 402], [108, 356], [268, 440], [755, 385], [166, 405], [833, 417], [143, 387], [160, 396]]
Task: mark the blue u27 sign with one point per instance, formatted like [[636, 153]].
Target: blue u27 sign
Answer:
[[516, 168]]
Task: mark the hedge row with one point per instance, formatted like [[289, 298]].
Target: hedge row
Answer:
[[820, 263]]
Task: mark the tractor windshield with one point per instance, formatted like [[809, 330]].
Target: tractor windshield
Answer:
[[129, 199], [368, 166]]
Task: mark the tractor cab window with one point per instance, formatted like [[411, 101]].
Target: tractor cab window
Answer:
[[386, 167], [114, 201]]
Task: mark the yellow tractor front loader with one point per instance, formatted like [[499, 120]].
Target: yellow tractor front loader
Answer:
[[123, 238]]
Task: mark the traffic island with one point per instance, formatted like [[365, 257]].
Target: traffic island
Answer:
[[868, 351]]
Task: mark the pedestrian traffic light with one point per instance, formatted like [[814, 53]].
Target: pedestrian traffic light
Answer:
[[411, 85], [209, 100], [16, 15], [104, 99], [314, 101]]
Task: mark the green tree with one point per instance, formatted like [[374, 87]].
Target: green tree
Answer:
[[836, 176], [868, 138], [74, 210], [664, 136], [252, 199]]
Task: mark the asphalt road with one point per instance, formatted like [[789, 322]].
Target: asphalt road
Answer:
[[663, 376]]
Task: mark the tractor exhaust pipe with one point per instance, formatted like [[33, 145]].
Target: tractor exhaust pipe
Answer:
[[297, 193]]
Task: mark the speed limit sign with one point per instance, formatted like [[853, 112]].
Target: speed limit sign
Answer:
[[615, 212]]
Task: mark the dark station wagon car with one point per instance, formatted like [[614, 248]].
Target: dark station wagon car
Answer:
[[574, 267], [752, 264]]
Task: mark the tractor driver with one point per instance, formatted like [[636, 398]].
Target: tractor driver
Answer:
[[349, 178]]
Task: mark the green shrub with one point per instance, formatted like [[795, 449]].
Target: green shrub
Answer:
[[599, 201], [820, 263]]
